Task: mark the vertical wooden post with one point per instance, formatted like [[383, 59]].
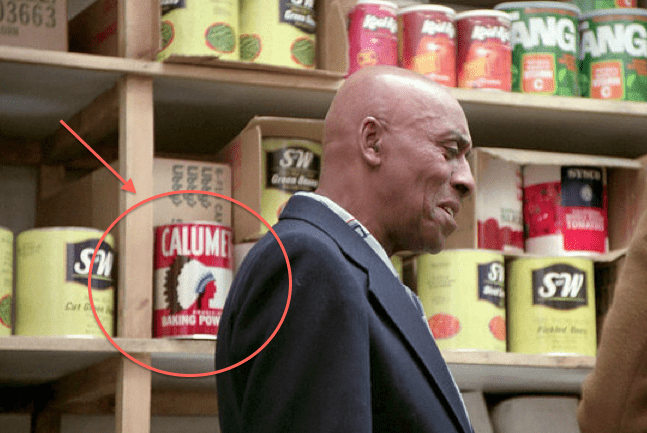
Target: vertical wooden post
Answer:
[[133, 399], [135, 289], [139, 28], [46, 422]]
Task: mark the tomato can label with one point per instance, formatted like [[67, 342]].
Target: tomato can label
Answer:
[[6, 281], [278, 32], [544, 47], [199, 28], [372, 34], [193, 273], [565, 210], [427, 42], [289, 165], [552, 306], [613, 54], [463, 294], [484, 54], [62, 257]]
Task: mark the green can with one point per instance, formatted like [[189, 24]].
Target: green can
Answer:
[[6, 280], [289, 165], [278, 32], [544, 47], [52, 282], [551, 305], [595, 5], [206, 28], [613, 54], [462, 292]]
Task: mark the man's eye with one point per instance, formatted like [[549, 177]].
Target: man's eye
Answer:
[[452, 152]]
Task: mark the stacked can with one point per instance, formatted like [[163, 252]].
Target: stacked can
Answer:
[[484, 54], [544, 47], [613, 54], [278, 32], [372, 34], [427, 42], [193, 273], [200, 28], [52, 282], [499, 206], [6, 280], [288, 165], [593, 5], [462, 292], [552, 306], [565, 210]]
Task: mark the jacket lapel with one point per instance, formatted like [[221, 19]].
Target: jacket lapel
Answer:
[[388, 291]]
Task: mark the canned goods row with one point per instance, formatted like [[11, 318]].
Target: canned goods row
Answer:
[[528, 47], [275, 32], [542, 209], [550, 307]]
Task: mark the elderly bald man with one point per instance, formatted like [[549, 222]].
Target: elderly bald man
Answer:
[[354, 353]]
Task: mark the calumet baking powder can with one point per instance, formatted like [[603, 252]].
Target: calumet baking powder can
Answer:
[[193, 273], [6, 281], [552, 306], [613, 54], [544, 47], [200, 28], [427, 42], [484, 52], [463, 294], [565, 210], [52, 266], [372, 34]]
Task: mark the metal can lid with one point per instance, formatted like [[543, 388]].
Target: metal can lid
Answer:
[[482, 13], [617, 11], [539, 5], [378, 2], [427, 8]]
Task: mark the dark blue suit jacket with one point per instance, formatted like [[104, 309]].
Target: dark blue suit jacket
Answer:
[[353, 354]]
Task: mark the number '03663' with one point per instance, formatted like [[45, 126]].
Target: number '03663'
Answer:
[[33, 12]]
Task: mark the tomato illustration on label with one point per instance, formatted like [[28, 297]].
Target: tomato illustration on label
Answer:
[[444, 325], [497, 328]]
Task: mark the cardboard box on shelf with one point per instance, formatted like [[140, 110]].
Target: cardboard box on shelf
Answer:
[[624, 190], [41, 25], [244, 154], [93, 201], [94, 30]]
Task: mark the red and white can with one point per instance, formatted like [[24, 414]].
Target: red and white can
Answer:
[[372, 34], [484, 54], [193, 273], [565, 210], [427, 42]]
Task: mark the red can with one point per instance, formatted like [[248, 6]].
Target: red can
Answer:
[[193, 273], [427, 42], [484, 55], [372, 34]]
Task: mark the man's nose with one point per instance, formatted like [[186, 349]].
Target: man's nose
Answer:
[[462, 178]]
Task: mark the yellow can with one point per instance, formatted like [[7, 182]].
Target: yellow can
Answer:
[[462, 292], [52, 282], [552, 306], [278, 32], [200, 28], [397, 264], [289, 165], [6, 280]]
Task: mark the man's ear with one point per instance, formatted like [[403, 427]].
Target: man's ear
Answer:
[[371, 138]]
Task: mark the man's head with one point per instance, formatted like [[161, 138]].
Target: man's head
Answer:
[[395, 150]]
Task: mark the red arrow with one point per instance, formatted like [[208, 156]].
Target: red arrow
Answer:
[[128, 185]]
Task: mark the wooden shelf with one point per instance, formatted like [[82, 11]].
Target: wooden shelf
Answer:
[[199, 109], [33, 360]]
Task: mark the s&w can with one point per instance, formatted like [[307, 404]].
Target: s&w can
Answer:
[[52, 282]]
